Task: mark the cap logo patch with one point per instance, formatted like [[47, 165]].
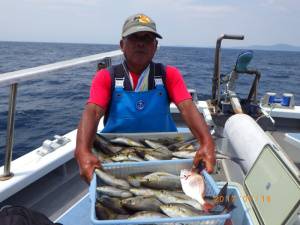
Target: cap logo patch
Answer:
[[143, 19]]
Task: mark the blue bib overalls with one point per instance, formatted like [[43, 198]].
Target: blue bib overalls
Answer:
[[146, 111]]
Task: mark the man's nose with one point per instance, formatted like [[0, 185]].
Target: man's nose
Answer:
[[140, 42]]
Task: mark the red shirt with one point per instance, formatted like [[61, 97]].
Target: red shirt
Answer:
[[100, 92]]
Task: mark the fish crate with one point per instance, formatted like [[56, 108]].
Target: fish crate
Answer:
[[243, 213], [182, 135], [173, 167]]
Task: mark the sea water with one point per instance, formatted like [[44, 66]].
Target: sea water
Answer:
[[53, 104]]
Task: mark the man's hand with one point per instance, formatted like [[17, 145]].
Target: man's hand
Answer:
[[87, 129], [207, 155], [199, 128], [87, 163]]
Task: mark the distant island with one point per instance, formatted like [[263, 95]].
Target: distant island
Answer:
[[277, 47]]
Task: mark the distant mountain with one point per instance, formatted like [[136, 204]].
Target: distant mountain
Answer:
[[277, 47]]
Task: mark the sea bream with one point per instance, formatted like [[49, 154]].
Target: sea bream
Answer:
[[193, 185]]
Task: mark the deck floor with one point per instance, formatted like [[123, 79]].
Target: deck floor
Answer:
[[80, 213]]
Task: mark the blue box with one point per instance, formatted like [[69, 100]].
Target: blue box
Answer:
[[172, 166]]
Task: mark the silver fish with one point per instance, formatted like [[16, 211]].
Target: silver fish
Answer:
[[122, 216], [179, 210], [187, 147], [111, 180], [104, 213], [127, 150], [166, 141], [168, 197], [102, 144], [135, 179], [107, 160], [184, 154], [175, 158], [142, 191], [149, 157], [100, 155], [162, 180], [113, 203], [114, 192], [130, 156], [191, 154], [176, 146], [146, 214], [154, 153], [142, 203], [156, 145], [126, 141]]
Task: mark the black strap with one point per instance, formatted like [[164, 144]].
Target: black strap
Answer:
[[120, 71]]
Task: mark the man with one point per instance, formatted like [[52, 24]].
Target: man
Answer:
[[135, 96]]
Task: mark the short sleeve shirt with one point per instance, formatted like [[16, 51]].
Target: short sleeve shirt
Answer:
[[100, 92]]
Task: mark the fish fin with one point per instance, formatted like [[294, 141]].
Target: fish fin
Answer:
[[207, 207], [229, 205], [223, 194]]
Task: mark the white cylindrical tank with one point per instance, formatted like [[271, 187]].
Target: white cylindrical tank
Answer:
[[246, 137]]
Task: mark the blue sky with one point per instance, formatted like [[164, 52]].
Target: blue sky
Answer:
[[181, 22]]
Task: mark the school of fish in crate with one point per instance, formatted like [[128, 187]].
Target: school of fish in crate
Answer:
[[154, 195], [124, 149]]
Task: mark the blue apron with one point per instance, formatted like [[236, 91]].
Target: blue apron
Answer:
[[147, 111]]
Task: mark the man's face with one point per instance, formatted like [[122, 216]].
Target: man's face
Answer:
[[139, 48]]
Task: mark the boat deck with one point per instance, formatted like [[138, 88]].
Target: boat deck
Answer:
[[80, 212]]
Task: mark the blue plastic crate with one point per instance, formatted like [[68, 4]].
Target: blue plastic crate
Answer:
[[170, 166]]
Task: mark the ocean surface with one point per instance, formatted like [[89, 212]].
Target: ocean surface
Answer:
[[53, 104]]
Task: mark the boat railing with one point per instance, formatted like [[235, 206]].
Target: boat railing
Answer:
[[13, 78]]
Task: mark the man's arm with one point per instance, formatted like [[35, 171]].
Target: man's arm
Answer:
[[198, 127], [85, 136]]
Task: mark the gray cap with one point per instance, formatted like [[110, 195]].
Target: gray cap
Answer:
[[137, 23]]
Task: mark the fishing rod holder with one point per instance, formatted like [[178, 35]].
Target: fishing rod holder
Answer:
[[216, 77], [104, 63]]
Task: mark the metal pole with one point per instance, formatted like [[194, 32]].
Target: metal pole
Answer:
[[216, 77], [107, 61], [10, 132], [104, 63]]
